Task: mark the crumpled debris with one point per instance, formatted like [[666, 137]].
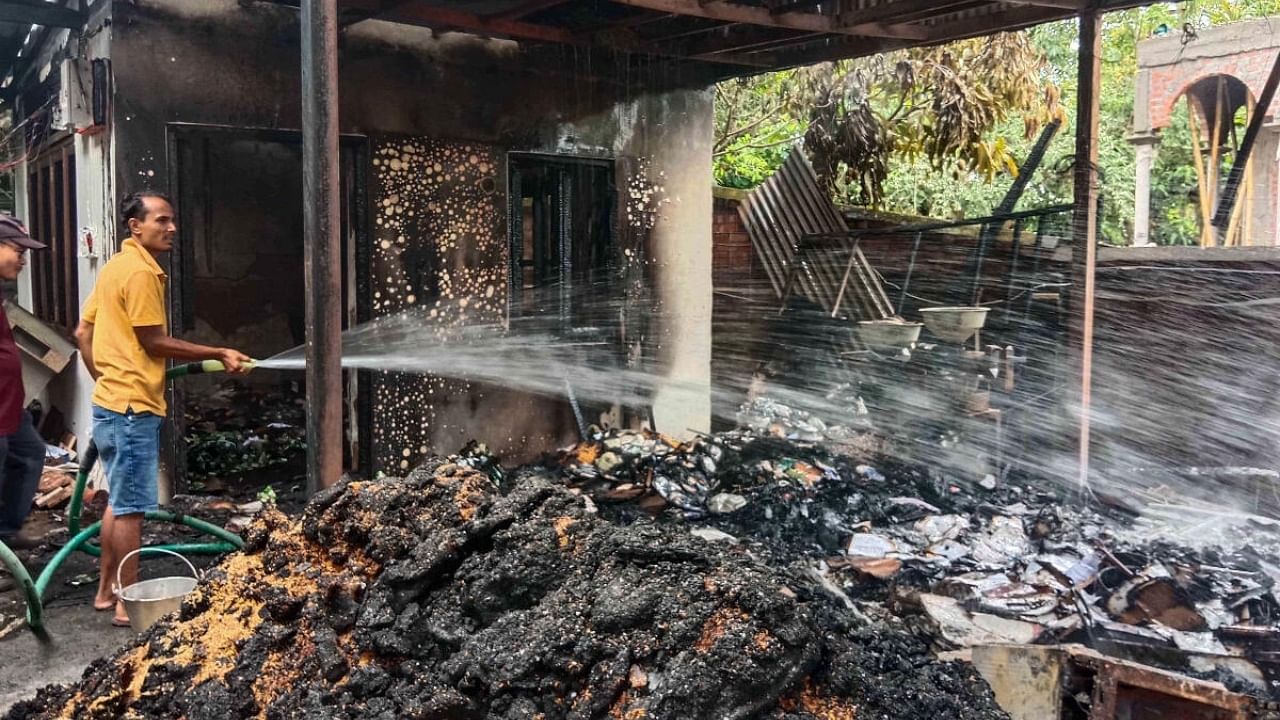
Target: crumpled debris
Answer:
[[879, 527]]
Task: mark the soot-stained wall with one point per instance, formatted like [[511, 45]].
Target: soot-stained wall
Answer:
[[441, 113]]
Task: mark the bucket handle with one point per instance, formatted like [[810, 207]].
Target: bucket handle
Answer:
[[131, 553]]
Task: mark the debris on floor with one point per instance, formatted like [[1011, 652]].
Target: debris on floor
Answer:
[[240, 434], [438, 596], [1007, 564]]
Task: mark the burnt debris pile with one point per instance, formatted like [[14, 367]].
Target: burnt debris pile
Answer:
[[436, 596], [977, 564]]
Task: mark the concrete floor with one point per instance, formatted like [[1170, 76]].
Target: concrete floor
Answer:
[[79, 635]]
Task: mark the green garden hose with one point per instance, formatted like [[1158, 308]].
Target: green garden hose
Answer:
[[35, 608], [81, 539]]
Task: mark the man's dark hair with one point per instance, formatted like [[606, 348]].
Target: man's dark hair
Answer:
[[132, 206]]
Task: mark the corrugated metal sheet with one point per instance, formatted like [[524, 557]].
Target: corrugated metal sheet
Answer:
[[781, 214]]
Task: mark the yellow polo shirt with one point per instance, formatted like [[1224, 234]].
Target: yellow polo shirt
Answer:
[[129, 294]]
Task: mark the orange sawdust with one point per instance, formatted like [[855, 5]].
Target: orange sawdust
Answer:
[[618, 710], [468, 493], [716, 626], [562, 525], [762, 640], [213, 636], [209, 642], [818, 705], [588, 453], [132, 675]]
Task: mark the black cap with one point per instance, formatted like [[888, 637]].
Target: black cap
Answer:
[[13, 231]]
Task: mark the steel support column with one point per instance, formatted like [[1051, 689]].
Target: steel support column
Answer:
[[322, 248], [1084, 250]]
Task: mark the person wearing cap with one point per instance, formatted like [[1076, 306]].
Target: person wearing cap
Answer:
[[124, 342], [21, 447]]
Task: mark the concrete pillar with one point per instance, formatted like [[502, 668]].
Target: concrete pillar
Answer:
[[1264, 206], [679, 142], [1146, 145]]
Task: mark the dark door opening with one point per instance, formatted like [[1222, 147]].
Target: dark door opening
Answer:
[[563, 242], [236, 280], [563, 274]]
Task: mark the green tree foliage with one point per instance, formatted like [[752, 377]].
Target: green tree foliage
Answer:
[[939, 132]]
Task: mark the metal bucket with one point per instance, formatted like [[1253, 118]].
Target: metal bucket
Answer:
[[149, 600]]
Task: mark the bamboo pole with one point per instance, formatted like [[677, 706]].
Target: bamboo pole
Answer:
[[1248, 185], [1202, 195], [1215, 161], [1236, 234]]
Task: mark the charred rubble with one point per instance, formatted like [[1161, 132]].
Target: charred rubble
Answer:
[[440, 596], [977, 563]]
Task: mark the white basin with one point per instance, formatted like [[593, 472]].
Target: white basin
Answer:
[[888, 334], [954, 324]]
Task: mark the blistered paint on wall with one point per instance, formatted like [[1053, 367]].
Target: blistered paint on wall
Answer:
[[439, 246]]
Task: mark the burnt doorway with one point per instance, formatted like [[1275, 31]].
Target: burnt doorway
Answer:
[[236, 280], [564, 274]]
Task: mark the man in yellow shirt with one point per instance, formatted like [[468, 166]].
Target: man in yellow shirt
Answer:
[[124, 342]]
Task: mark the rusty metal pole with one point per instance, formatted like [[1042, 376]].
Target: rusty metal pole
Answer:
[[1084, 250], [322, 247]]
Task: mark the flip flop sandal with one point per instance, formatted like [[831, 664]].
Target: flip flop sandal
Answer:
[[117, 622]]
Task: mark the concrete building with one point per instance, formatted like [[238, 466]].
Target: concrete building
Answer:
[[1173, 68], [476, 136]]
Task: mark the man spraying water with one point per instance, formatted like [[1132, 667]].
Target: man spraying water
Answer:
[[124, 341]]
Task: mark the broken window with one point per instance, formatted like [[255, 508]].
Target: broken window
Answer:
[[562, 243], [51, 218]]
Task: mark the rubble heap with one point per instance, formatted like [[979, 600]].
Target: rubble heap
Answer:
[[981, 564], [435, 596]]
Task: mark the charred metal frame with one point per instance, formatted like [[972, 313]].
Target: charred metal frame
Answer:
[[1227, 201]]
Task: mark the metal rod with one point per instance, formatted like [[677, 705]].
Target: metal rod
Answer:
[[577, 409], [322, 258], [1084, 256], [1033, 280], [1228, 197], [1013, 269], [911, 267], [947, 225], [844, 284]]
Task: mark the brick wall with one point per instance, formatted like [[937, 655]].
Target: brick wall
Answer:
[[731, 247], [1169, 82]]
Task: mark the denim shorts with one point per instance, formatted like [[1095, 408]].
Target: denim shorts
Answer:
[[129, 450]]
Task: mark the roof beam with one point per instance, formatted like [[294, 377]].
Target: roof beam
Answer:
[[1009, 20], [1060, 4], [900, 10], [439, 17], [750, 15], [528, 7], [755, 40], [431, 15], [39, 12]]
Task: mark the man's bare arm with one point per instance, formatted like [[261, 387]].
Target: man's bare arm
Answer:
[[84, 341], [157, 344]]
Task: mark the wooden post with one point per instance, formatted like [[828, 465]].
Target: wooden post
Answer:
[[1202, 187], [1215, 161], [1084, 251]]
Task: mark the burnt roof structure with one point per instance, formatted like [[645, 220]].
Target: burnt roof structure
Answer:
[[736, 37]]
